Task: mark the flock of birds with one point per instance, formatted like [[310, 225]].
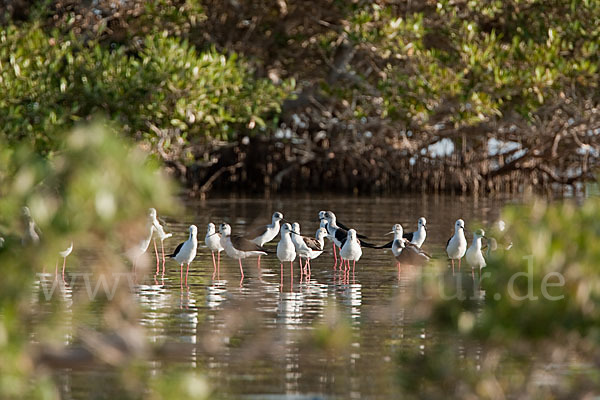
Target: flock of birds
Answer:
[[346, 242]]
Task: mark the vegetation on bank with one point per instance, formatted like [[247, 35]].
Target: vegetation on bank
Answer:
[[434, 95]]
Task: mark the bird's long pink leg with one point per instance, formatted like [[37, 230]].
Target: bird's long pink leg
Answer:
[[281, 283], [186, 273], [300, 261], [181, 275], [214, 264], [459, 264], [353, 265], [334, 256], [156, 252], [63, 272], [291, 276], [219, 265], [162, 247], [258, 262], [452, 260], [241, 269]]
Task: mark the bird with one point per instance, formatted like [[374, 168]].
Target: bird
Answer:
[[405, 251], [286, 250], [474, 256], [185, 252], [417, 237], [143, 245], [457, 244], [351, 249], [160, 231], [239, 247], [306, 247], [266, 233], [32, 231], [323, 214], [213, 242], [64, 254], [339, 234]]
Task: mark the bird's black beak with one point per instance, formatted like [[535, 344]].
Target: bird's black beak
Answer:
[[390, 233], [285, 221]]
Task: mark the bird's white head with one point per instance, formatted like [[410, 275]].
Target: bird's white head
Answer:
[[26, 213], [352, 234], [330, 217], [323, 224], [210, 229], [396, 230], [479, 233], [322, 215], [501, 225], [152, 213], [460, 224], [277, 216], [422, 222], [321, 233], [296, 228], [193, 230], [225, 229], [286, 229]]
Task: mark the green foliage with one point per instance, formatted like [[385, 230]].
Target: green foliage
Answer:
[[95, 192], [51, 81], [538, 304]]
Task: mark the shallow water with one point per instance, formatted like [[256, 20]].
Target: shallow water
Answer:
[[272, 336]]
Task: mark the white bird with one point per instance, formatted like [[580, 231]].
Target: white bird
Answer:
[[213, 242], [160, 231], [186, 252], [64, 254], [266, 233], [405, 251], [474, 256], [417, 237], [239, 247], [306, 247], [143, 245], [351, 250], [286, 250], [457, 244]]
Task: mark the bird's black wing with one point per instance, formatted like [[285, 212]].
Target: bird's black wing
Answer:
[[243, 244], [177, 250], [448, 242], [367, 244], [341, 234], [388, 245], [409, 236], [344, 227]]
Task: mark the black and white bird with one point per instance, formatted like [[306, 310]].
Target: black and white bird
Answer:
[[323, 214], [186, 252], [405, 251], [351, 249], [457, 244], [162, 235], [474, 256], [417, 237], [339, 234], [238, 247], [266, 233], [213, 242]]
